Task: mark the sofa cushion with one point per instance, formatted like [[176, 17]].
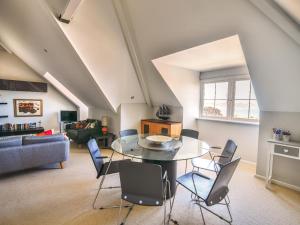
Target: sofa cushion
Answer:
[[29, 140], [10, 141]]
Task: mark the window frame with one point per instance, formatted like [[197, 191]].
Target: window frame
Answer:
[[230, 98]]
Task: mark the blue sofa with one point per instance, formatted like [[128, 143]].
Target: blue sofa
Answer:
[[19, 153]]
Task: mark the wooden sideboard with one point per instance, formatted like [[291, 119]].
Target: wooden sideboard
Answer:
[[152, 126]]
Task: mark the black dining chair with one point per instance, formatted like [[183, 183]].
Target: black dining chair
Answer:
[[129, 132], [103, 168], [213, 164], [189, 133], [143, 184], [209, 191]]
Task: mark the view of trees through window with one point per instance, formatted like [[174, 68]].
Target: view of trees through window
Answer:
[[231, 100]]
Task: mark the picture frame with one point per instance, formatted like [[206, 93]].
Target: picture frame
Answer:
[[28, 107]]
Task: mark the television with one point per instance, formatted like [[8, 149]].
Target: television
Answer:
[[68, 116]]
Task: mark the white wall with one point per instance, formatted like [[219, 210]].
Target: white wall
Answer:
[[13, 68], [132, 114], [185, 85], [128, 116], [217, 133]]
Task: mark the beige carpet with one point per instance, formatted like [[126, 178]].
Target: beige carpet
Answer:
[[54, 196]]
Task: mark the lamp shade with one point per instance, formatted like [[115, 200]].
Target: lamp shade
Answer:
[[104, 121]]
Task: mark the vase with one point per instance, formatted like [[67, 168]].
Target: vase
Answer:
[[277, 137], [286, 138]]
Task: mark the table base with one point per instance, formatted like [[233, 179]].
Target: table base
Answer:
[[171, 168]]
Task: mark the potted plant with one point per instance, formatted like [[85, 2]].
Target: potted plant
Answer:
[[286, 135]]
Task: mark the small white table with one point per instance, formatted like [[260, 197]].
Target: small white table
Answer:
[[283, 149]]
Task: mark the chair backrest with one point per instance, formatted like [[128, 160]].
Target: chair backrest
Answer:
[[220, 187], [228, 152], [189, 133], [141, 183], [124, 133], [95, 152]]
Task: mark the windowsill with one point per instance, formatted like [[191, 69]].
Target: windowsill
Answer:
[[230, 121]]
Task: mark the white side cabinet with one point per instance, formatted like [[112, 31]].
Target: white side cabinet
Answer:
[[283, 149]]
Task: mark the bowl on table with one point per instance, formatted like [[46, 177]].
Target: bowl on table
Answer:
[[159, 139]]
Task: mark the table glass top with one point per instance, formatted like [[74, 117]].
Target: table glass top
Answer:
[[137, 146]]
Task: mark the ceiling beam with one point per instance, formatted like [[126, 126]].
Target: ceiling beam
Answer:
[[2, 46], [127, 31], [69, 11]]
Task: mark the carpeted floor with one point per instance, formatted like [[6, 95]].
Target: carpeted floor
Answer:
[[53, 196]]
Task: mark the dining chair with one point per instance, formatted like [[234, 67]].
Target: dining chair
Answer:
[[103, 168], [143, 184], [209, 191], [222, 159], [189, 133], [129, 132]]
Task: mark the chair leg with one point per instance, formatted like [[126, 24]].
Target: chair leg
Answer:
[[100, 187], [218, 215], [186, 162], [120, 210], [228, 209], [202, 215], [165, 205], [171, 208]]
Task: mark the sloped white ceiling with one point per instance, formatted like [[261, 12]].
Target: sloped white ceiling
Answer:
[[28, 28], [224, 53], [96, 35], [165, 27], [291, 7]]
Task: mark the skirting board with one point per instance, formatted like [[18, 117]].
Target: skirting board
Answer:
[[280, 183], [248, 162]]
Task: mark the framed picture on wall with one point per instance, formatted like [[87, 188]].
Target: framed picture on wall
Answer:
[[28, 107]]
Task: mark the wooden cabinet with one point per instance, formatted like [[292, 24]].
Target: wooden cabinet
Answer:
[[152, 127]]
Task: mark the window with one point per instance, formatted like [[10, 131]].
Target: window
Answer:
[[231, 99], [215, 99], [245, 104]]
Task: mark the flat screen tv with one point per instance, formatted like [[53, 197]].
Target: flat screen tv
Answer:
[[68, 116]]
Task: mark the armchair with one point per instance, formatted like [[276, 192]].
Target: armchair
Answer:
[[82, 134]]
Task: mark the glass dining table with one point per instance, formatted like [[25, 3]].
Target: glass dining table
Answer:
[[166, 155]]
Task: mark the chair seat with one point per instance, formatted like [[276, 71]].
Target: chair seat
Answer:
[[205, 164], [202, 186]]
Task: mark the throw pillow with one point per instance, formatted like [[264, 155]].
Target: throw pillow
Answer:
[[45, 133]]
